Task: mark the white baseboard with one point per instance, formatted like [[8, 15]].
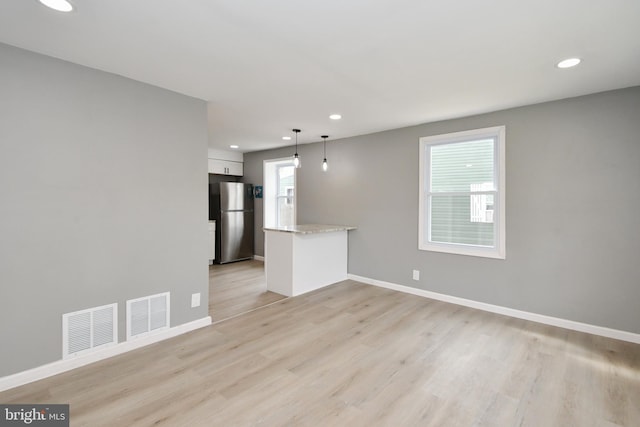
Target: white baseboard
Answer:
[[534, 317], [60, 366], [258, 258]]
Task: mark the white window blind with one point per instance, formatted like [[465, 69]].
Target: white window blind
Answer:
[[462, 193]]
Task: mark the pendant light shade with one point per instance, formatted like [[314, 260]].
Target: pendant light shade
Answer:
[[325, 165], [296, 158]]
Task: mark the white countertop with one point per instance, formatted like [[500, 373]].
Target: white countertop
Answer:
[[310, 228]]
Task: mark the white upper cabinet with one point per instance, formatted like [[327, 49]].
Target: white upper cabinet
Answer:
[[225, 167], [226, 162]]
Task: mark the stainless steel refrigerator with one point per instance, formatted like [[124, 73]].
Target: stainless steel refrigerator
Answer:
[[231, 205]]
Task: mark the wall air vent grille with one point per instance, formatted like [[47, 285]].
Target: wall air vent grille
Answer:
[[147, 314], [87, 330]]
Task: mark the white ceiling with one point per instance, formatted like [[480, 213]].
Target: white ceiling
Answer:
[[268, 66]]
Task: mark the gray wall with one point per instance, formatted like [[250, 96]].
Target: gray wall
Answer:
[[573, 223], [103, 198]]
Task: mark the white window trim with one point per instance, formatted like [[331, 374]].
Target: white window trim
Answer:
[[265, 180], [499, 251]]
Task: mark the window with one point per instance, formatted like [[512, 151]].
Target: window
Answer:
[[462, 207], [279, 193]]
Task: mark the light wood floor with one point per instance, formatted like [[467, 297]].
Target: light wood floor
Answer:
[[236, 288], [356, 355]]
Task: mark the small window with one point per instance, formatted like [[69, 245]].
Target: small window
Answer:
[[462, 207], [279, 193]]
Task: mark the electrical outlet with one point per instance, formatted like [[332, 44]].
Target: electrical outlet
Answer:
[[195, 300], [416, 274]]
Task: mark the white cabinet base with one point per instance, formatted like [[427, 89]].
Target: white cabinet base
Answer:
[[299, 263], [212, 241]]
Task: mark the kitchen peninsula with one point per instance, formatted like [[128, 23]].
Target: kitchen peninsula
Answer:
[[302, 258]]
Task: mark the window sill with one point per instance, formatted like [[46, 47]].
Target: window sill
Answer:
[[460, 249]]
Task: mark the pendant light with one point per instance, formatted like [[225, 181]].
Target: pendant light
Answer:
[[296, 159], [325, 166]]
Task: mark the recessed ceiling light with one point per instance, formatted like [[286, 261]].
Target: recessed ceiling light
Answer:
[[286, 138], [335, 117], [234, 146], [59, 5], [568, 63]]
